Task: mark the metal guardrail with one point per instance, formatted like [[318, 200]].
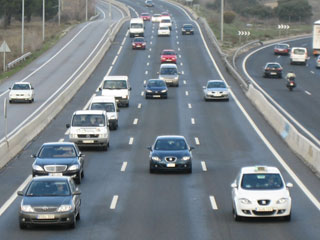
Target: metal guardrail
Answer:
[[18, 60]]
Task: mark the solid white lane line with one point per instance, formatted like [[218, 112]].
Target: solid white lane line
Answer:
[[197, 141], [139, 105], [110, 68], [114, 202], [213, 203], [142, 93], [204, 166], [14, 195], [135, 121], [193, 121], [187, 93], [189, 105], [88, 103], [61, 140], [184, 82], [307, 93], [114, 60], [131, 140], [124, 166]]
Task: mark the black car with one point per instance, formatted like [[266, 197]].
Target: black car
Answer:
[[273, 69], [59, 158], [187, 29], [170, 153], [156, 88], [50, 200]]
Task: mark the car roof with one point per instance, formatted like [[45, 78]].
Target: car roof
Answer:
[[22, 83], [103, 99], [277, 44], [157, 14], [300, 48], [50, 178], [187, 24], [58, 143], [168, 50], [145, 13], [170, 136], [170, 65], [156, 79], [259, 169], [89, 112], [215, 81], [115, 77], [273, 63]]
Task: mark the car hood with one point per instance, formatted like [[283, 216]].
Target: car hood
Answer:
[[55, 161], [178, 153], [47, 201], [115, 92], [167, 76], [264, 194], [217, 89]]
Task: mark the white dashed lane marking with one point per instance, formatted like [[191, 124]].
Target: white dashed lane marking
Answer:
[[148, 63], [110, 68], [114, 202], [114, 60], [149, 56], [309, 93], [189, 105], [193, 121], [124, 166], [213, 203], [182, 72], [187, 93], [131, 140], [135, 121], [197, 141], [146, 72], [61, 140], [142, 93], [204, 166], [139, 105], [184, 82], [312, 72], [181, 64]]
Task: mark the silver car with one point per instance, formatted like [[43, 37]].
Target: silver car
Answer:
[[216, 89], [169, 73]]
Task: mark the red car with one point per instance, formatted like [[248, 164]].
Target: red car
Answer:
[[165, 14], [139, 43], [145, 16], [168, 56], [282, 48]]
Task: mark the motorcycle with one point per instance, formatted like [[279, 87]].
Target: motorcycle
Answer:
[[291, 84]]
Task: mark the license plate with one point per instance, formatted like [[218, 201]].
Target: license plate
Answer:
[[45, 216], [217, 94], [55, 174], [171, 165], [156, 96], [264, 209], [273, 73], [169, 81], [88, 141]]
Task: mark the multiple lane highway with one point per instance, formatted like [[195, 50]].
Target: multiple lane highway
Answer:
[[122, 200]]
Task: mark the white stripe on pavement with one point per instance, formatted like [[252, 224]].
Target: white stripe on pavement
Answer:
[[124, 166], [114, 202], [213, 203]]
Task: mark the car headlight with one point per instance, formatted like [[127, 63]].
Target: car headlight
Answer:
[[156, 158], [163, 91], [74, 167], [37, 168], [186, 158], [73, 135], [282, 200], [64, 208], [26, 208], [245, 201], [149, 91]]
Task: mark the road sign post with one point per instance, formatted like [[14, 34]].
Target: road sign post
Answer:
[[5, 119], [4, 48]]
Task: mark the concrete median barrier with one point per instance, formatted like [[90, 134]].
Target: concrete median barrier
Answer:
[[21, 138]]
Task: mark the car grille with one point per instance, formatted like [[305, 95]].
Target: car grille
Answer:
[[45, 209], [170, 159], [88, 135], [55, 168], [264, 202], [264, 213]]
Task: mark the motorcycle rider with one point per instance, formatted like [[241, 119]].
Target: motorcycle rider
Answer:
[[291, 79]]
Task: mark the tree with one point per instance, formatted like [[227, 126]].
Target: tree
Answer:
[[293, 10], [8, 9]]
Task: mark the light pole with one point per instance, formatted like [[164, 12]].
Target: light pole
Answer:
[[222, 11], [86, 10], [43, 19], [59, 11], [22, 28]]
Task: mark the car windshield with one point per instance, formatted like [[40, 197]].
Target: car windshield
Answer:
[[136, 25], [164, 28], [138, 40], [260, 181], [187, 26], [216, 85], [156, 83], [48, 188], [156, 15], [171, 144], [52, 151], [168, 53], [144, 14], [165, 21], [168, 71], [299, 51], [108, 107], [21, 87], [88, 120], [115, 84], [273, 66]]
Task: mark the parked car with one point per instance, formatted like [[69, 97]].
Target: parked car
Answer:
[[57, 159], [273, 69], [170, 153], [168, 56], [145, 16], [187, 29], [156, 88], [216, 89], [139, 43], [21, 92], [260, 191], [281, 49], [50, 201]]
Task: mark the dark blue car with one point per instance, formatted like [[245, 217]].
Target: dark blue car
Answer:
[[156, 88], [170, 153], [57, 159]]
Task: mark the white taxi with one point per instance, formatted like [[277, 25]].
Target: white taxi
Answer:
[[21, 91], [260, 191]]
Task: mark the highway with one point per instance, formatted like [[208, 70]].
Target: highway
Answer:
[[122, 200], [300, 105]]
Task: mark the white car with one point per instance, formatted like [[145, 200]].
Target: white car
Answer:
[[163, 31], [260, 191], [156, 18], [21, 91], [298, 55]]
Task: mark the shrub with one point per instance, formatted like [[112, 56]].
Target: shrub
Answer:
[[229, 16]]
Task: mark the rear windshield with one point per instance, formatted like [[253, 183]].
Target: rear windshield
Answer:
[[273, 66], [115, 84], [168, 53], [299, 51], [88, 120], [136, 25], [52, 151], [108, 107], [165, 21]]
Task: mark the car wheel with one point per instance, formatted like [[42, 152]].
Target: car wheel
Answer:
[[177, 85], [10, 101], [205, 99], [127, 105], [78, 216], [152, 170], [287, 218], [73, 223], [78, 178], [82, 174], [23, 225], [236, 217], [280, 75]]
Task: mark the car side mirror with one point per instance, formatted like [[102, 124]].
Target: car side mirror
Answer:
[[67, 125], [191, 148], [20, 193], [33, 155], [204, 87], [130, 88], [100, 88], [77, 192], [149, 148], [234, 185], [289, 185], [32, 88], [81, 154], [118, 110]]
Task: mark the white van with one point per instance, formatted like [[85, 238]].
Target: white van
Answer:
[[89, 128], [109, 105], [299, 55], [117, 87], [136, 27]]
